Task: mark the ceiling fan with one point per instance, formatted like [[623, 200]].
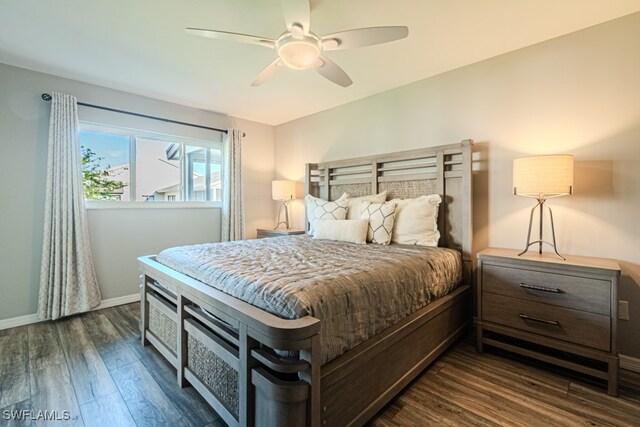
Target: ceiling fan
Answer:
[[298, 48]]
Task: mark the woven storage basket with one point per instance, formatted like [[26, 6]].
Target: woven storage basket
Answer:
[[163, 327], [215, 373]]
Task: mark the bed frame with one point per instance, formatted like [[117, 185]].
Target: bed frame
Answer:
[[224, 347]]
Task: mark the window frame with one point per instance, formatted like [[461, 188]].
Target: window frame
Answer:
[[132, 134]]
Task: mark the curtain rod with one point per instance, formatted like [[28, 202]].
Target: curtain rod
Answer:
[[47, 97]]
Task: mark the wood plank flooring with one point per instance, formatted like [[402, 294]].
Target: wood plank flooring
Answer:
[[464, 388], [94, 367]]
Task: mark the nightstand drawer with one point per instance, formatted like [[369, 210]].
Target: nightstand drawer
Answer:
[[579, 327], [579, 293]]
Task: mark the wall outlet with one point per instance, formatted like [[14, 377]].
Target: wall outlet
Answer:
[[623, 310]]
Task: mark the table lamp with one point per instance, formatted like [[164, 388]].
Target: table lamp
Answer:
[[543, 177], [283, 191]]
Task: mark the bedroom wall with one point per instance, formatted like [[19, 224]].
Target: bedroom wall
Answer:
[[258, 164], [577, 94], [118, 236]]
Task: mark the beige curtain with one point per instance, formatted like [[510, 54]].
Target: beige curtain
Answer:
[[68, 282], [232, 207]]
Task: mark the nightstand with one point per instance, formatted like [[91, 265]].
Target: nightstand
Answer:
[[559, 312], [264, 232]]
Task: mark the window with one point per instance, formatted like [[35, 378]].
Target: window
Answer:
[[135, 166]]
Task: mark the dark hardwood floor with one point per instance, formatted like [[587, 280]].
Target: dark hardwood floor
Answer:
[[93, 367]]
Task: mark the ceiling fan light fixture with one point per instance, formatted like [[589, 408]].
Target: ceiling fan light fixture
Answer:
[[300, 49], [299, 54]]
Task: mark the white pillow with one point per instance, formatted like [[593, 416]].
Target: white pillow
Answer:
[[381, 218], [352, 231], [416, 221], [318, 209], [355, 203]]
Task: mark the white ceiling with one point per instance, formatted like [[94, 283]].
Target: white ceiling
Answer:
[[139, 46]]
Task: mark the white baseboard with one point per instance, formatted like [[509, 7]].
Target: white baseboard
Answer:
[[33, 318], [19, 321], [629, 363], [112, 302]]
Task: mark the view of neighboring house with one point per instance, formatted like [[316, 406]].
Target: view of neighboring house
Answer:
[[202, 184], [120, 173], [198, 190], [153, 169]]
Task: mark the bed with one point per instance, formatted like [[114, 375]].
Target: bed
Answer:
[[271, 361]]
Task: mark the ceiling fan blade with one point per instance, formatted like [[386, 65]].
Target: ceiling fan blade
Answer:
[[333, 72], [363, 37], [268, 72], [297, 12], [233, 37]]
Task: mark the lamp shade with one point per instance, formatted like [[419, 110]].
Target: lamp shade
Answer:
[[283, 190], [543, 176]]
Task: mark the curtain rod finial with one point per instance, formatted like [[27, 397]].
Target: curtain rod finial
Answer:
[[46, 97]]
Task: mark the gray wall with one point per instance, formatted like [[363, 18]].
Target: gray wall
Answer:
[[118, 236], [577, 94]]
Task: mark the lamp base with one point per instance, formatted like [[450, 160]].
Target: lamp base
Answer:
[[541, 205], [286, 216]]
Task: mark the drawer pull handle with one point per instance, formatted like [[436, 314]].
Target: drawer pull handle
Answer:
[[541, 288], [537, 319]]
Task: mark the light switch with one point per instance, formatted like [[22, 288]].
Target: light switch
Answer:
[[623, 310]]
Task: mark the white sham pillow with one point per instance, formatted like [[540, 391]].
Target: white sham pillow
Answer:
[[355, 203], [321, 210], [381, 217], [416, 221], [352, 231]]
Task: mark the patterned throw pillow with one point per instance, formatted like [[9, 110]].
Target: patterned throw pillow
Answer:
[[381, 217], [321, 210], [355, 203]]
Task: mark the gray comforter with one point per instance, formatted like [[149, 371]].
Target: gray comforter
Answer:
[[355, 290]]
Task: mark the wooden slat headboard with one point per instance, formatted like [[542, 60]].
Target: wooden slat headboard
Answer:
[[444, 170]]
